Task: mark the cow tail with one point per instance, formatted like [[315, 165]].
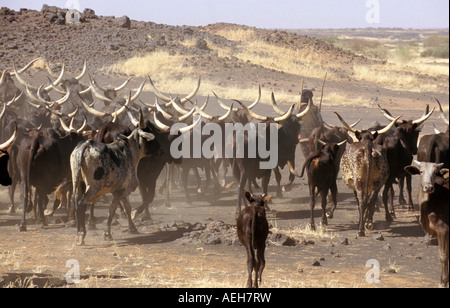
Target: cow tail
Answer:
[[308, 161], [369, 168]]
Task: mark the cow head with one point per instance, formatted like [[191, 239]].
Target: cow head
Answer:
[[428, 172]]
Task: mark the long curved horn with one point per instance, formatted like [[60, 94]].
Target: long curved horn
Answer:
[[387, 128], [275, 106], [133, 120], [93, 111], [257, 99], [138, 91], [2, 78], [423, 118], [193, 93], [165, 114], [95, 83], [190, 127], [251, 113], [57, 81], [64, 126], [286, 115], [15, 99], [346, 126], [60, 91], [292, 169], [178, 108], [83, 126], [2, 114], [32, 97], [157, 92], [221, 104], [443, 116], [21, 81], [202, 113], [161, 125], [9, 143], [83, 72], [97, 94], [123, 85], [187, 115], [388, 115], [226, 115], [26, 66], [304, 112]]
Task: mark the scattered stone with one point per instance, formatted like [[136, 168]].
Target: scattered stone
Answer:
[[378, 237], [344, 241], [316, 263], [124, 22], [283, 240]]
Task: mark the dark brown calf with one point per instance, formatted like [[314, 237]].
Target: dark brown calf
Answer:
[[252, 230], [322, 175]]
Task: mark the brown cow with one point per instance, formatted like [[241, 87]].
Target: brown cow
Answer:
[[433, 204], [322, 175], [252, 230]]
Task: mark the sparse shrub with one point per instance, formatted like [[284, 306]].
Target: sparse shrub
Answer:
[[403, 54], [436, 47]]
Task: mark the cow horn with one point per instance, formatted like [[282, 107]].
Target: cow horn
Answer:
[[304, 112], [123, 85], [221, 104], [423, 118], [2, 78], [138, 91], [83, 126], [94, 82], [251, 113], [226, 115], [72, 114], [443, 116], [275, 106], [190, 127], [187, 115], [286, 115], [168, 99], [31, 95], [60, 91], [161, 125], [202, 113], [292, 169], [8, 144], [436, 131], [388, 115], [21, 81], [64, 126], [177, 107], [192, 94], [57, 81], [257, 99], [165, 114], [346, 126], [97, 94], [133, 120], [83, 72], [26, 66], [93, 111], [387, 128], [15, 99], [2, 114]]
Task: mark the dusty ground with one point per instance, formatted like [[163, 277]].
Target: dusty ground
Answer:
[[157, 257]]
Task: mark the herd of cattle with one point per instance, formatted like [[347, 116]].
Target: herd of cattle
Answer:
[[92, 141]]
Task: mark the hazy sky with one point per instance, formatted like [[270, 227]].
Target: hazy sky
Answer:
[[298, 14]]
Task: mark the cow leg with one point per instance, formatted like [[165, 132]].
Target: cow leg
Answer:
[[11, 191], [385, 202], [261, 264], [91, 221], [312, 204], [442, 234], [80, 205], [127, 209], [361, 209], [277, 173], [184, 175], [333, 190], [41, 200], [147, 191], [323, 194], [250, 264], [241, 193], [401, 196], [409, 191], [25, 204], [112, 211]]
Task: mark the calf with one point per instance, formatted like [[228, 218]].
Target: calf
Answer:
[[322, 175], [433, 204], [99, 169], [252, 230]]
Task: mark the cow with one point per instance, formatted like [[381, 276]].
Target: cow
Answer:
[[435, 148], [322, 176], [433, 202], [5, 178], [43, 162], [252, 230], [365, 169], [400, 148], [99, 169]]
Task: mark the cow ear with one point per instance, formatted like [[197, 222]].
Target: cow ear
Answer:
[[267, 198], [249, 197], [413, 170], [444, 172]]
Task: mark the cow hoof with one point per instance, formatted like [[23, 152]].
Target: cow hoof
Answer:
[[146, 218], [389, 218], [79, 241], [361, 233], [107, 236], [402, 201], [330, 215], [368, 226], [411, 209], [199, 190], [133, 214], [22, 228], [11, 209], [48, 212], [133, 231], [279, 194]]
